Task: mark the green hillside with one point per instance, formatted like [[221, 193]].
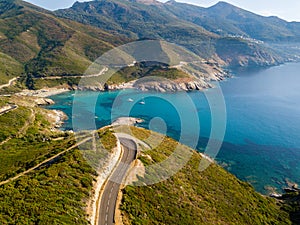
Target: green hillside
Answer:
[[36, 43], [9, 68], [171, 22], [226, 19], [58, 191], [137, 20], [192, 197], [45, 45]]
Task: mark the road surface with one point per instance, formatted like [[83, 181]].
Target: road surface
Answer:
[[8, 109], [10, 82], [110, 193], [104, 70]]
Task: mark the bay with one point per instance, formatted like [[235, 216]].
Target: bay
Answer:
[[262, 139]]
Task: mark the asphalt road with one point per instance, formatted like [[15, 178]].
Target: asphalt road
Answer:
[[111, 190], [12, 107]]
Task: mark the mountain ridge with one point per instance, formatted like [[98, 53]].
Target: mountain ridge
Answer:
[[46, 45], [65, 42], [166, 21], [224, 18]]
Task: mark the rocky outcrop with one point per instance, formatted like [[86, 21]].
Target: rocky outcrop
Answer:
[[57, 118], [199, 75], [129, 121], [153, 85], [105, 87], [44, 101], [171, 86]]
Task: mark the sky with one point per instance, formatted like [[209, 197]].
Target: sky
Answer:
[[285, 9]]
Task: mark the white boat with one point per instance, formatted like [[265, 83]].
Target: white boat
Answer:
[[142, 102], [130, 100]]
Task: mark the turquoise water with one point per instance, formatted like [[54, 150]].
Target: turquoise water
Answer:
[[262, 140]]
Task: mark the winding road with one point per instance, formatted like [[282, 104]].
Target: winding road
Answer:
[[104, 70], [8, 109], [10, 82], [110, 193]]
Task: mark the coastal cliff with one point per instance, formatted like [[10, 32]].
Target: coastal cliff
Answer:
[[152, 85]]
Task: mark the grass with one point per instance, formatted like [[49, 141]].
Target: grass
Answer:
[[49, 83], [57, 192], [3, 102], [192, 197], [12, 122], [36, 43], [54, 194], [139, 71], [108, 139], [9, 68], [29, 147]]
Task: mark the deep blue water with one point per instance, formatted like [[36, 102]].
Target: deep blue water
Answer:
[[262, 140]]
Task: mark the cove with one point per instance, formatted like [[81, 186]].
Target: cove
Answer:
[[262, 139]]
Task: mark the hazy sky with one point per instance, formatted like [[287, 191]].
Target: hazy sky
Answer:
[[285, 9]]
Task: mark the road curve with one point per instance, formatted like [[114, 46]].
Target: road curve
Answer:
[[12, 107], [9, 83], [110, 193]]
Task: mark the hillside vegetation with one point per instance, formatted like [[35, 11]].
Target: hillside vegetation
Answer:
[[192, 197], [9, 68], [56, 192], [141, 70], [181, 24], [226, 19], [36, 43]]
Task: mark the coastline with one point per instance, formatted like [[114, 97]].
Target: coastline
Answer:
[[277, 185], [43, 93]]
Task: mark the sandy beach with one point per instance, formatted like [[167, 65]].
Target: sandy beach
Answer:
[[42, 93]]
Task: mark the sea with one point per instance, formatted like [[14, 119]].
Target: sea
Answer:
[[258, 110]]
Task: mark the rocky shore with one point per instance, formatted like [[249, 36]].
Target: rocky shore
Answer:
[[57, 118], [43, 101], [129, 121], [159, 85], [42, 93], [172, 86]]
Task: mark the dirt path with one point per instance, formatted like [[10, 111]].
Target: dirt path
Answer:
[[10, 82], [104, 70], [23, 130], [44, 162], [30, 121]]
